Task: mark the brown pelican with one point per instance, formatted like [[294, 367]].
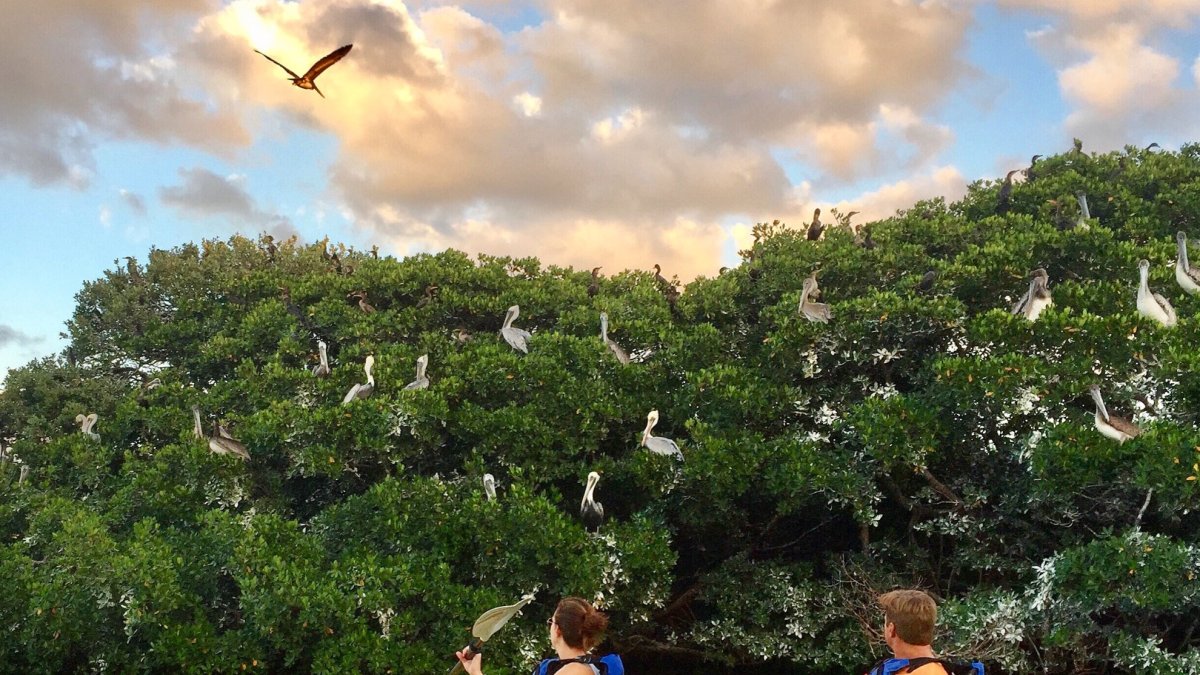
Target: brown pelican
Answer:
[[1117, 428], [815, 227], [421, 382], [272, 249], [658, 444], [362, 301], [221, 442], [866, 241], [515, 337], [375, 251], [1085, 213], [813, 311], [1004, 198], [591, 512], [362, 390], [594, 287], [1187, 276], [24, 474], [1078, 146], [1152, 305], [489, 487], [616, 348], [431, 292], [461, 335], [86, 422], [322, 368], [1037, 298], [308, 80]]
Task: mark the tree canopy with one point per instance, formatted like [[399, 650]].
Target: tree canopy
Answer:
[[924, 436]]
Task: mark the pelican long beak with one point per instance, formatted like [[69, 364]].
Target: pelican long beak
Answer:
[[1103, 410]]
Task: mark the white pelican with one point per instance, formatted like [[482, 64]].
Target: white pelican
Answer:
[[362, 390], [489, 487], [1037, 298], [308, 80], [659, 444], [421, 382], [813, 311], [322, 368], [86, 422], [591, 512], [1152, 305], [1116, 428], [616, 348], [515, 337], [1187, 276]]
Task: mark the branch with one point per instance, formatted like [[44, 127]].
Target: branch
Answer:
[[1137, 521], [941, 488]]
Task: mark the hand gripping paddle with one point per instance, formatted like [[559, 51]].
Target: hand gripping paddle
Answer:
[[486, 626]]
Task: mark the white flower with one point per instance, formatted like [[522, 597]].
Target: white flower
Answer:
[[887, 356]]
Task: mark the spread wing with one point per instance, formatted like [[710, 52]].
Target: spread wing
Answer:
[[326, 61], [280, 65]]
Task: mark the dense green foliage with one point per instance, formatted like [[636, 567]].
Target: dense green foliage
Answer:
[[928, 439]]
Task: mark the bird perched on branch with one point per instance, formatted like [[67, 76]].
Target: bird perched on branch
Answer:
[[815, 227], [309, 79]]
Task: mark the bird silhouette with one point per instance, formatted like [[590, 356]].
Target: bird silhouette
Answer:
[[308, 80]]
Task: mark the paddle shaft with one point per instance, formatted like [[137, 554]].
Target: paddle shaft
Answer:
[[473, 649]]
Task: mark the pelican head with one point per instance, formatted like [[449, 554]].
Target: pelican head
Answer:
[[593, 479], [367, 366], [651, 420], [604, 326], [511, 315], [489, 487]]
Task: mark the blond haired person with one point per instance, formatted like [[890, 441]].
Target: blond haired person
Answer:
[[908, 620]]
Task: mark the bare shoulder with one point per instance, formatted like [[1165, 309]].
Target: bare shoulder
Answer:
[[576, 669]]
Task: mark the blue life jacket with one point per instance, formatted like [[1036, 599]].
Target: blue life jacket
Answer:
[[610, 664], [892, 666]]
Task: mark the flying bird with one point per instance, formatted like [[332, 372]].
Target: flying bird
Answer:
[[591, 512], [515, 337], [421, 382], [616, 348], [309, 79], [1187, 276], [1117, 428], [1037, 298], [362, 390], [659, 444], [1152, 305]]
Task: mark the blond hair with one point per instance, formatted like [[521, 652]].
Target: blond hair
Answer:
[[913, 612]]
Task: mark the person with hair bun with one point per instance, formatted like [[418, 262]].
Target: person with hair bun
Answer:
[[576, 628]]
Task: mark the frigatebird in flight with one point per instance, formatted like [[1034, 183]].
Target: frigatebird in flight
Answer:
[[309, 79]]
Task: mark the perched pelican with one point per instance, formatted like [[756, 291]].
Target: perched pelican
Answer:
[[866, 242], [365, 306], [362, 390], [1004, 197], [430, 293], [375, 251], [813, 311], [668, 287], [658, 444], [591, 512], [24, 474], [1037, 298], [322, 368], [515, 337], [594, 287], [461, 335], [221, 442], [271, 248], [1187, 276], [616, 348], [489, 487], [815, 227], [1152, 305], [86, 422], [421, 382], [1085, 213], [308, 80], [1117, 428]]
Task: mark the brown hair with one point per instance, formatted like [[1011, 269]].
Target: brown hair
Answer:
[[913, 613], [580, 623]]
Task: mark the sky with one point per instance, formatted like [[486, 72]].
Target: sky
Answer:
[[620, 133]]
